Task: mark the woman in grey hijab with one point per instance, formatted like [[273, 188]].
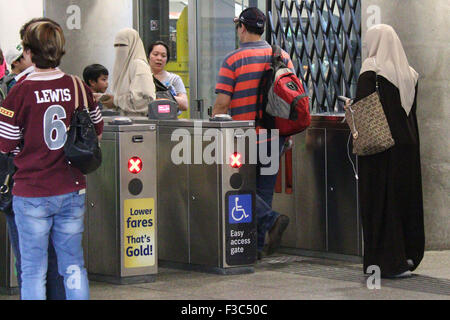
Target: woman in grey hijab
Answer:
[[390, 183], [133, 84]]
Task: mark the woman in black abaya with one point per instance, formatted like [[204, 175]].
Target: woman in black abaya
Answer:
[[390, 184]]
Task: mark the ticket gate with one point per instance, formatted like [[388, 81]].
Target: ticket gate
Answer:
[[322, 202], [206, 195], [8, 279], [121, 221]]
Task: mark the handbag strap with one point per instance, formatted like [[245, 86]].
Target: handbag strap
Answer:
[[4, 188], [77, 83], [377, 87]]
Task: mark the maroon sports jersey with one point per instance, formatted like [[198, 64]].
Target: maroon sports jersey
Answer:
[[39, 110]]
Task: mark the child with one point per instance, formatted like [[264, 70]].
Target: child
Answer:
[[96, 77]]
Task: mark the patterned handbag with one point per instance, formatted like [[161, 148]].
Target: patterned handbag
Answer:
[[369, 127]]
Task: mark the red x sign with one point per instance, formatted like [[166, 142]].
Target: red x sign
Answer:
[[135, 165], [235, 160]]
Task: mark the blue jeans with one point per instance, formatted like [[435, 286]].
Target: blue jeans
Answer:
[[55, 284], [265, 185], [59, 218]]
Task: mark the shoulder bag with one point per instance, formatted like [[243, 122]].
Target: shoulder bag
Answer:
[[7, 170], [82, 148], [369, 127]]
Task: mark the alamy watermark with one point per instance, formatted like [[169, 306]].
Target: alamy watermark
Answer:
[[223, 144], [374, 280], [73, 21], [74, 280], [373, 15]]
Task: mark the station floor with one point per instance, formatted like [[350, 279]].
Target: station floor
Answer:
[[286, 277]]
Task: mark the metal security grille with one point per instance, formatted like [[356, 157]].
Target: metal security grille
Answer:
[[323, 38]]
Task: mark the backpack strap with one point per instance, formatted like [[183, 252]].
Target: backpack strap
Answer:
[[276, 51], [262, 97], [260, 94], [263, 88]]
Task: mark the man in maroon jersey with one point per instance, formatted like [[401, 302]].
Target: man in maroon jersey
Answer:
[[49, 194], [54, 284]]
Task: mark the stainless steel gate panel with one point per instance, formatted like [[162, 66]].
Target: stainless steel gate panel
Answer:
[[284, 203], [343, 219], [324, 217], [122, 207], [173, 226], [104, 212], [204, 215], [8, 279], [192, 217], [146, 150], [310, 194]]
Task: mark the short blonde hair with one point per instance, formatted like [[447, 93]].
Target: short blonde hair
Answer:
[[46, 42]]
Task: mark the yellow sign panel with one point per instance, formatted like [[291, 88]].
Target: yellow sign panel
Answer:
[[139, 233]]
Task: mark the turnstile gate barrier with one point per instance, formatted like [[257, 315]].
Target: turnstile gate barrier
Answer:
[[122, 206], [206, 195], [8, 274]]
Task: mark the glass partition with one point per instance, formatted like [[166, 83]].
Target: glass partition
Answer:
[[167, 20], [213, 38], [200, 33]]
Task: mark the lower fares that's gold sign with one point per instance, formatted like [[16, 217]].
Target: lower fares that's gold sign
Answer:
[[139, 233]]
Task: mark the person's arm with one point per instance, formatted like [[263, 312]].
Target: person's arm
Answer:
[[11, 122], [222, 104], [287, 60], [366, 85], [94, 112], [224, 89], [182, 101], [180, 96]]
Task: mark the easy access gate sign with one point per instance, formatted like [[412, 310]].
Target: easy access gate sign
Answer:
[[240, 237]]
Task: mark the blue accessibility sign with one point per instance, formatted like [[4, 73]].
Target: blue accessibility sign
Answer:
[[240, 208]]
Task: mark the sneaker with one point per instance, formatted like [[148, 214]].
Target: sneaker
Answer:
[[276, 232]]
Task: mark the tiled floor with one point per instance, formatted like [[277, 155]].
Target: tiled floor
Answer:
[[286, 277]]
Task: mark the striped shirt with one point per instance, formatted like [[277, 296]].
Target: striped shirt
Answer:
[[240, 74]]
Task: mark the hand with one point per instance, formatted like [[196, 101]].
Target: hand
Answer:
[[97, 96], [108, 101], [347, 104], [289, 143]]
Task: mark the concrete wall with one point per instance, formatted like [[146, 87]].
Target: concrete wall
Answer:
[[422, 26], [13, 14], [90, 28]]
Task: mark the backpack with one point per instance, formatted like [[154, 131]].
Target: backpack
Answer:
[[162, 92], [4, 82], [165, 107], [282, 99]]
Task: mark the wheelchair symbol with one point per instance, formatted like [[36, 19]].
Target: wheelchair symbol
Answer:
[[238, 212]]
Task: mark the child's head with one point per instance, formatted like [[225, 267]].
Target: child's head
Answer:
[[96, 77]]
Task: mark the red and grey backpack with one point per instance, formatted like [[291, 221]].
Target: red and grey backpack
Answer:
[[282, 99]]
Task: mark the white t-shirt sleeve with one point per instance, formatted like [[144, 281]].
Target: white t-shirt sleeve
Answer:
[[177, 83]]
